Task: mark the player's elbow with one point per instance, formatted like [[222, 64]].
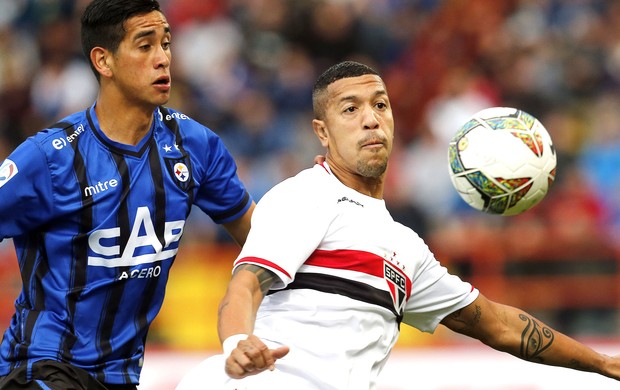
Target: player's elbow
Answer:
[[499, 339]]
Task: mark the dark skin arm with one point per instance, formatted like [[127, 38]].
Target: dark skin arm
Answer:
[[516, 332]]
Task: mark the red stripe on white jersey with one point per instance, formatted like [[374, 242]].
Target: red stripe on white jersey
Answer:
[[351, 260], [266, 263]]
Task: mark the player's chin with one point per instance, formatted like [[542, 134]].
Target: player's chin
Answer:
[[161, 99], [161, 94], [373, 168], [377, 157]]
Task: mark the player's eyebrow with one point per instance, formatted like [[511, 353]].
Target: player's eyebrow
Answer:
[[352, 98], [150, 32], [380, 92]]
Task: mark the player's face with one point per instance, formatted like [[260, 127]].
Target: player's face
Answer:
[[142, 61], [358, 125]]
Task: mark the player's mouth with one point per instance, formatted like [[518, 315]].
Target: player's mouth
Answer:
[[162, 83], [372, 143]]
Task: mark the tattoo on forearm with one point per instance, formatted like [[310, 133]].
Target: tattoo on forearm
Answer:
[[535, 340], [578, 365], [467, 321], [477, 314], [266, 278]]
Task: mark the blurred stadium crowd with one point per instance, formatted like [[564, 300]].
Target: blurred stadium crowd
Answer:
[[245, 68]]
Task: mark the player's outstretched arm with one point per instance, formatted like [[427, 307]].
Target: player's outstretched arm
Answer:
[[512, 330], [245, 353]]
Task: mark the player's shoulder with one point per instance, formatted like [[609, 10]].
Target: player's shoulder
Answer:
[[312, 178], [405, 231], [193, 134], [310, 183], [48, 149], [173, 119], [304, 193], [59, 135]]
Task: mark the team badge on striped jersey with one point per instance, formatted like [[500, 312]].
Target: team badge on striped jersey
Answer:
[[399, 285], [180, 172], [8, 170]]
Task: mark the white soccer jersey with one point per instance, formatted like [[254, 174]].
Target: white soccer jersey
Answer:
[[349, 274]]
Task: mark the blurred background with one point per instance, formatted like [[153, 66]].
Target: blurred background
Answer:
[[245, 68]]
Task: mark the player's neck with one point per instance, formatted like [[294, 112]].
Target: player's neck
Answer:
[[126, 124], [369, 186]]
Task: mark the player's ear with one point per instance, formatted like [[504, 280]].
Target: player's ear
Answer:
[[100, 59], [321, 131]]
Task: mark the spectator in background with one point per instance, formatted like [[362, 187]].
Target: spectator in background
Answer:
[[600, 160], [16, 73], [63, 81]]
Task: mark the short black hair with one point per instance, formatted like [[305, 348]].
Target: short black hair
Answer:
[[341, 70], [103, 23]]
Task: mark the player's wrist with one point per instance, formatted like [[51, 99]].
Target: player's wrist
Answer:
[[230, 343]]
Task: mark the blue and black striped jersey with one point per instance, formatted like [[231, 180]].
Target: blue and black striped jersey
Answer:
[[96, 225]]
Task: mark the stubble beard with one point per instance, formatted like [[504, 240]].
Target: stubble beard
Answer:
[[366, 169]]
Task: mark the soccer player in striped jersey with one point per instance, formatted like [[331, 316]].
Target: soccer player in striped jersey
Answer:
[[327, 277], [96, 205]]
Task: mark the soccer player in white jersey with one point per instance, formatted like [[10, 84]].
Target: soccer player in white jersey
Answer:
[[327, 277]]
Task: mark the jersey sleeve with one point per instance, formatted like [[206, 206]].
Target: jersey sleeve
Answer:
[[26, 196], [435, 294], [221, 194], [288, 224]]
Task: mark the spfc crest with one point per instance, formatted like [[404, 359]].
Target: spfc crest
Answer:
[[399, 284], [180, 172]]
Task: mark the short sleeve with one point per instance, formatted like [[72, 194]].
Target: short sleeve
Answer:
[[26, 196], [288, 224], [221, 194], [435, 294]]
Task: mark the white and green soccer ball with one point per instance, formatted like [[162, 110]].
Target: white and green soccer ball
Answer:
[[502, 161]]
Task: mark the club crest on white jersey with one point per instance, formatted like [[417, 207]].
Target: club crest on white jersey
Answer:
[[398, 285]]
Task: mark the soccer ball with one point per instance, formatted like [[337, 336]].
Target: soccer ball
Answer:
[[502, 161]]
